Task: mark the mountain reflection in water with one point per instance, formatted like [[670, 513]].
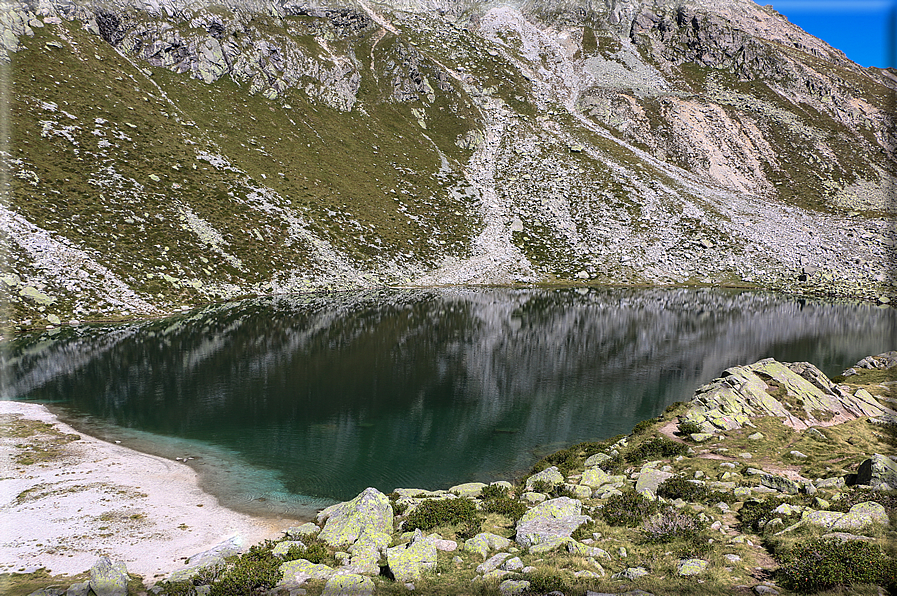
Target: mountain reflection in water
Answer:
[[289, 402]]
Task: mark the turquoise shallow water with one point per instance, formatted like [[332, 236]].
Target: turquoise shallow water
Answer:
[[286, 404]]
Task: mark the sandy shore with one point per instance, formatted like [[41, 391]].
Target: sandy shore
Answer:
[[64, 503]]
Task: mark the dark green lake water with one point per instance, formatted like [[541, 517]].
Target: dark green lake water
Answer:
[[286, 404]]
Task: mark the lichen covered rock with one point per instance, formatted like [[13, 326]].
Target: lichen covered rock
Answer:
[[407, 562], [348, 585], [369, 512], [108, 578], [550, 522]]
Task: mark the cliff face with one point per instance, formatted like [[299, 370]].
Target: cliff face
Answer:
[[168, 153]]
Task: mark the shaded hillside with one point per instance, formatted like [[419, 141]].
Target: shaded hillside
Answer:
[[173, 153]]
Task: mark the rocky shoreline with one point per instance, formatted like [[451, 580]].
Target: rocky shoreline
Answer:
[[721, 494]]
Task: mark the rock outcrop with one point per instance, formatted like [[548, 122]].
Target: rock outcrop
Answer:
[[798, 393]]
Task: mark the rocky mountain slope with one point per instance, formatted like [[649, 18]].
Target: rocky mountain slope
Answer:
[[168, 153]]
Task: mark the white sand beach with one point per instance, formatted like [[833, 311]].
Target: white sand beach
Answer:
[[64, 503]]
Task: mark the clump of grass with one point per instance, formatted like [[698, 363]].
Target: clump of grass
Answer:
[[545, 580]]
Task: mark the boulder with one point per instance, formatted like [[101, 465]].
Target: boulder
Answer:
[[513, 587], [584, 550], [78, 589], [779, 483], [648, 481], [579, 491], [299, 571], [595, 477], [878, 469], [484, 542], [348, 585], [108, 578], [551, 476], [300, 532], [369, 512], [860, 515], [596, 460], [408, 561], [470, 489], [493, 562], [631, 573], [691, 567], [549, 544], [550, 521], [513, 564]]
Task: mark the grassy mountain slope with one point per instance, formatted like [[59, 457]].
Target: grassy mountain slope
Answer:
[[170, 155]]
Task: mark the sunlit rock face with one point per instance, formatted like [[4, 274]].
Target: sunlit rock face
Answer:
[[171, 153]]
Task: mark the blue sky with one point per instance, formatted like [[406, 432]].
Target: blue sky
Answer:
[[862, 29]]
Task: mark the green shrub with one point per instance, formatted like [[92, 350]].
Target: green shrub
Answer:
[[445, 512], [678, 487], [315, 551], [566, 460], [563, 490], [398, 508], [654, 448], [628, 509], [613, 465], [823, 564], [494, 491], [254, 572], [861, 495], [755, 514], [689, 427], [585, 531], [672, 524], [508, 507], [643, 426], [541, 486], [673, 407], [181, 588]]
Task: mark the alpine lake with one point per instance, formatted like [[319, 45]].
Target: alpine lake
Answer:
[[287, 404]]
